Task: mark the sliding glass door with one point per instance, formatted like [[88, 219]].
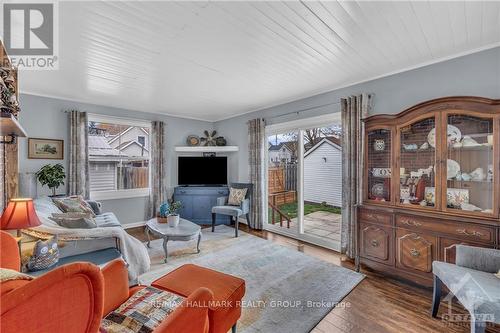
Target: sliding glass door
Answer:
[[304, 180]]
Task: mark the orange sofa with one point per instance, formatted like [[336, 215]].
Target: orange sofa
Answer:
[[75, 297]]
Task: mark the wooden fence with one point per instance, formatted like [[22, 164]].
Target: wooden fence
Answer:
[[282, 184], [129, 177], [282, 178]]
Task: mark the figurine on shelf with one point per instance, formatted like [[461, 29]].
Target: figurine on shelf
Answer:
[[478, 174], [465, 176], [424, 146], [489, 176], [404, 194], [379, 145], [420, 191], [410, 147]]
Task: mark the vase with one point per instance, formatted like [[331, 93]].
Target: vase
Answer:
[[173, 220]]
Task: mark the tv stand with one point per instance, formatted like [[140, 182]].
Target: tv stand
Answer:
[[197, 203]]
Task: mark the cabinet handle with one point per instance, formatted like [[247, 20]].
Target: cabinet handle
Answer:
[[410, 222], [372, 216], [220, 192], [415, 253], [375, 243], [183, 192], [466, 233]]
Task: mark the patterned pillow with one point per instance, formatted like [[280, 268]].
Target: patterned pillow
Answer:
[[236, 196], [74, 204], [45, 255], [10, 274], [142, 312], [74, 220]]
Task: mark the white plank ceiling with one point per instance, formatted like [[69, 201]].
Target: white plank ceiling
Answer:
[[215, 60]]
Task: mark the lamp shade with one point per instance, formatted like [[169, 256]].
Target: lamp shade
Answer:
[[19, 214]]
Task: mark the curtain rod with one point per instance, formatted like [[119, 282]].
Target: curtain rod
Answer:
[[303, 110]]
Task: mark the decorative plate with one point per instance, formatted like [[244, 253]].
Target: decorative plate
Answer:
[[193, 140], [378, 190], [454, 135], [453, 168]]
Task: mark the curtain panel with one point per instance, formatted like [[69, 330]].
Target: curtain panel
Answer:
[[78, 176], [354, 110], [158, 193], [256, 153]]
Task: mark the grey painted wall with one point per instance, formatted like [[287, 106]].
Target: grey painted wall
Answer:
[[477, 74], [43, 117]]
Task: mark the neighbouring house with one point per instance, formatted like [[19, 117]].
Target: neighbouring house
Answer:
[[103, 163], [281, 153], [117, 165], [323, 172], [133, 141]]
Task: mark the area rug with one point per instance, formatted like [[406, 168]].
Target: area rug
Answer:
[[286, 290]]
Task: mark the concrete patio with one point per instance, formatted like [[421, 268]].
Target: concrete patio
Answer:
[[321, 224]]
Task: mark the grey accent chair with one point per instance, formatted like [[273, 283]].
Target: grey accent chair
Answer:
[[473, 282], [234, 211]]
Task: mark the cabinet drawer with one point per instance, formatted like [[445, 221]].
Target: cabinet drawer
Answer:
[[447, 248], [367, 215], [376, 243], [468, 231], [415, 251]]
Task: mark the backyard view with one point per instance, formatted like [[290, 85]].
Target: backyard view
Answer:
[[322, 191]]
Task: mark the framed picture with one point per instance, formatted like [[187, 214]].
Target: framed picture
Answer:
[[45, 149]]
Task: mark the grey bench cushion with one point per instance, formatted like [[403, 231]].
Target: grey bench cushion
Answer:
[[477, 291], [107, 220], [227, 210], [99, 258]]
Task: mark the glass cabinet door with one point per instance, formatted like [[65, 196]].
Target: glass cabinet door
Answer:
[[378, 184], [417, 164], [470, 164]]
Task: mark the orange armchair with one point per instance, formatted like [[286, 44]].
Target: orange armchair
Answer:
[[74, 298], [67, 299], [9, 254]]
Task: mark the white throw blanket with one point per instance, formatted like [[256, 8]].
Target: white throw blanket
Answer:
[[133, 251]]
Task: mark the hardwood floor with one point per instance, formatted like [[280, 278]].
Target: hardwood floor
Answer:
[[378, 304]]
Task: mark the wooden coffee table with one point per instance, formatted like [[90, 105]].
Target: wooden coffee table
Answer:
[[185, 231]]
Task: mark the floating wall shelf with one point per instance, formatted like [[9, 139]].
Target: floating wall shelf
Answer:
[[205, 149]]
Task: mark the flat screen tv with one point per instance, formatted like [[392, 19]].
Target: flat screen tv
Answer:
[[200, 171]]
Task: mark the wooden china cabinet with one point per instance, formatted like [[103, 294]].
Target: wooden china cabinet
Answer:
[[431, 181]]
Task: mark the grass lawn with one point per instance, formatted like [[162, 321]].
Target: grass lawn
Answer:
[[291, 209]]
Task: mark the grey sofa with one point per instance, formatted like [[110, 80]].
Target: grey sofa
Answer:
[[234, 211], [473, 282], [44, 208]]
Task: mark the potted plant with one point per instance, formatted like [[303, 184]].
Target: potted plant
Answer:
[[51, 175], [173, 216], [168, 213]]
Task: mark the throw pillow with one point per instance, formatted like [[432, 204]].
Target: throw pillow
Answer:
[[74, 220], [10, 274], [498, 274], [236, 196], [45, 255], [74, 204], [142, 312]]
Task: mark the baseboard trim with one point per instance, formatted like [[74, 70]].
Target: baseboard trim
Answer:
[[134, 225]]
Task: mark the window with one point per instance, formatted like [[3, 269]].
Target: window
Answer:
[[118, 157], [142, 140]]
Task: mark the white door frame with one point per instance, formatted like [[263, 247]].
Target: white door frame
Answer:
[[300, 126]]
